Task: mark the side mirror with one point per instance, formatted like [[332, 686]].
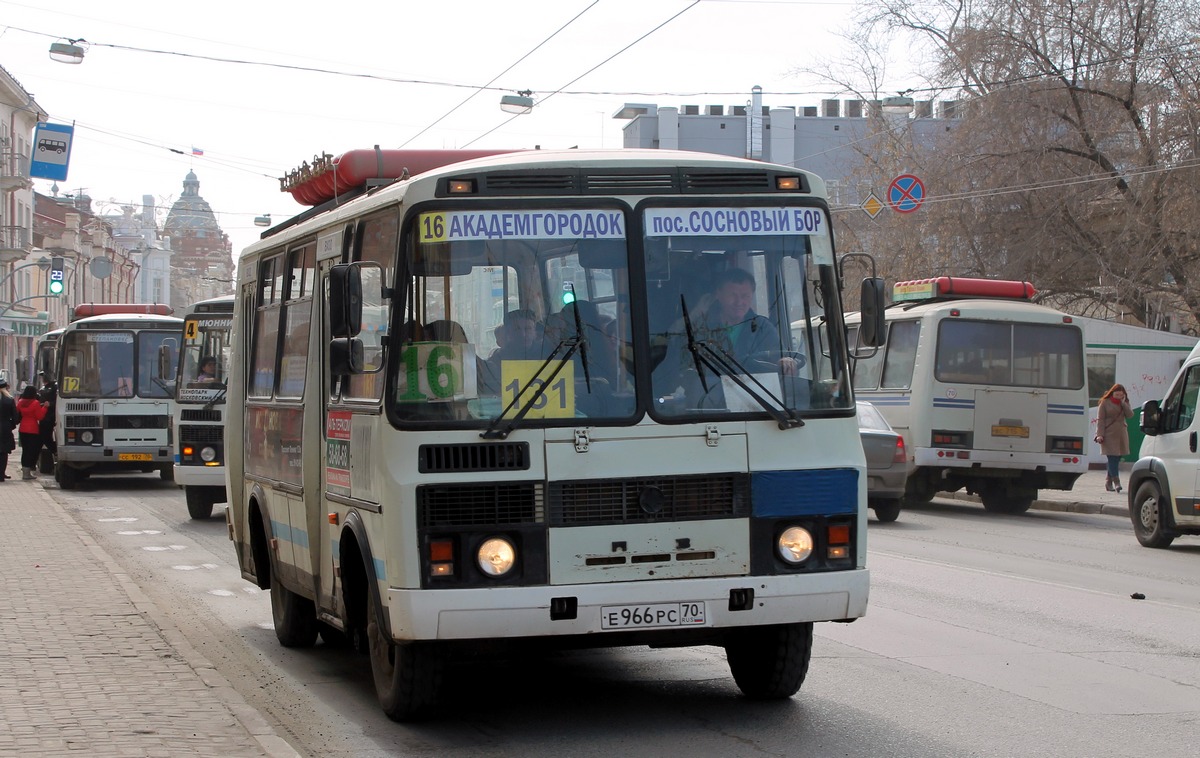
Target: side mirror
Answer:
[[1150, 418], [872, 330], [165, 372], [346, 356], [345, 300]]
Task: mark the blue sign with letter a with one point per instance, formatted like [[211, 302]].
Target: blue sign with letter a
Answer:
[[51, 151]]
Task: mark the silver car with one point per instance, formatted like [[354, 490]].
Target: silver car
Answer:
[[886, 457]]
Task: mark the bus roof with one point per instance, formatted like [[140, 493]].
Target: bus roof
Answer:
[[126, 321], [85, 310], [950, 287]]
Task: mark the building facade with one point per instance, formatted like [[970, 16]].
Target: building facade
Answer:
[[202, 255]]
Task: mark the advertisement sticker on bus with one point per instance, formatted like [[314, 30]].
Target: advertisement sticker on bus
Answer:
[[337, 451], [451, 226]]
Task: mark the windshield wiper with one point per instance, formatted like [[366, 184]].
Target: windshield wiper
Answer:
[[722, 363], [216, 398], [572, 344]]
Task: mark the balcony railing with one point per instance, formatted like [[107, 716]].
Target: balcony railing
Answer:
[[15, 243], [14, 171]]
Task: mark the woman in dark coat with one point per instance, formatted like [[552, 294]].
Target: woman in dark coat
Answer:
[[1112, 433], [32, 411], [8, 424]]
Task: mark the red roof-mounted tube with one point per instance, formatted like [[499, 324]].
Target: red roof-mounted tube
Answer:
[[83, 310], [954, 286], [328, 177]]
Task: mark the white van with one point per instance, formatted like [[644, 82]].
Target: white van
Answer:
[[1164, 486]]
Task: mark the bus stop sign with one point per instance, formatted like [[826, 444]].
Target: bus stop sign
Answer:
[[51, 151]]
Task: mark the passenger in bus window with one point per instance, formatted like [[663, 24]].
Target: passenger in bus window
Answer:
[[208, 370]]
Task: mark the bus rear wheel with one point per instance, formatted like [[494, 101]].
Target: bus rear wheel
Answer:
[[66, 476], [769, 662], [294, 615], [1000, 500], [407, 676]]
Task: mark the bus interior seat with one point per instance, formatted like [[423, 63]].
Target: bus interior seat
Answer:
[[445, 330]]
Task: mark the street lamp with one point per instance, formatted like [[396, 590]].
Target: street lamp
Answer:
[[520, 103], [263, 220], [68, 52]]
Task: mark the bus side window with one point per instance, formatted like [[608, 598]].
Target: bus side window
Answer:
[[901, 354]]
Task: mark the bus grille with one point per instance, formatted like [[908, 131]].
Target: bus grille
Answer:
[[137, 422], [723, 181], [440, 459], [84, 406], [648, 499], [615, 184], [194, 414], [441, 505], [200, 434], [74, 421]]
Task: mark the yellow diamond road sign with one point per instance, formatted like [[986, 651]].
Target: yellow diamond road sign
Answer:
[[872, 206]]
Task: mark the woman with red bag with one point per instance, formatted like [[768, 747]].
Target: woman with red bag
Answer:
[[1112, 433]]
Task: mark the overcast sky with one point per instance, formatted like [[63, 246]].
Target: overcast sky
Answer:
[[255, 122]]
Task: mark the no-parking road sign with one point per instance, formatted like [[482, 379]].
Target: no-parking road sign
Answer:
[[906, 193]]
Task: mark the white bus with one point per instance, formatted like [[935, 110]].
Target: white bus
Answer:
[[609, 468], [114, 409], [987, 388], [200, 404]]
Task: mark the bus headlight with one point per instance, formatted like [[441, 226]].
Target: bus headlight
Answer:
[[496, 556], [208, 455], [86, 438], [795, 544]]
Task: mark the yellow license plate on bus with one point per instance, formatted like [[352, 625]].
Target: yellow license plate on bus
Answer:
[[134, 457], [652, 615], [1010, 431]]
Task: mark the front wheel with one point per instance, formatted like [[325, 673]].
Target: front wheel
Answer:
[[200, 505], [407, 676], [167, 473], [886, 511], [294, 615], [769, 662], [1149, 522], [66, 476]]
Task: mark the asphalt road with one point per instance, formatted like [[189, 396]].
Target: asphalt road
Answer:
[[985, 636]]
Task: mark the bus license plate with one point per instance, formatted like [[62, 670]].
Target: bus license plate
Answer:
[[652, 616], [1010, 431], [134, 457]]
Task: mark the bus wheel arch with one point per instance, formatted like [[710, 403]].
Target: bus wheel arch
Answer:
[[260, 554]]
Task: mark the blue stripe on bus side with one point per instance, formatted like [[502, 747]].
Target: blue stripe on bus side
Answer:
[[285, 532], [1070, 410], [804, 493], [335, 548], [945, 402]]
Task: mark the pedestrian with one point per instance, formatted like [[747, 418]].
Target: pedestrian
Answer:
[[8, 424], [1112, 432], [32, 412], [48, 394]]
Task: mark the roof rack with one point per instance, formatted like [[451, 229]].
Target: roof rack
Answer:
[[954, 287]]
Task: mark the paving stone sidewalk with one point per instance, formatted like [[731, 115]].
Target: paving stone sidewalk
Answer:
[[89, 665]]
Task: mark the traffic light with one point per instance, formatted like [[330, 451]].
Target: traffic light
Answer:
[[56, 276]]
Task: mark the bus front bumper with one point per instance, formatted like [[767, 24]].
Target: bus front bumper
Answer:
[[200, 476], [515, 612], [124, 457]]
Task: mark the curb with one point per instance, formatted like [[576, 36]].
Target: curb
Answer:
[[1061, 506], [264, 735]]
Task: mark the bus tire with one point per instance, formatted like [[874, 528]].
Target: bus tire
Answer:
[[998, 500], [1149, 521], [886, 511], [769, 662], [66, 476], [200, 505], [407, 676], [167, 473], [294, 615]]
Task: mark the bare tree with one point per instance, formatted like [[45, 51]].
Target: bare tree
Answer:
[[1076, 164]]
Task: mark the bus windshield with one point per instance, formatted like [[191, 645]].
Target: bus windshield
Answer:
[[518, 310], [203, 367], [724, 287], [117, 363]]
